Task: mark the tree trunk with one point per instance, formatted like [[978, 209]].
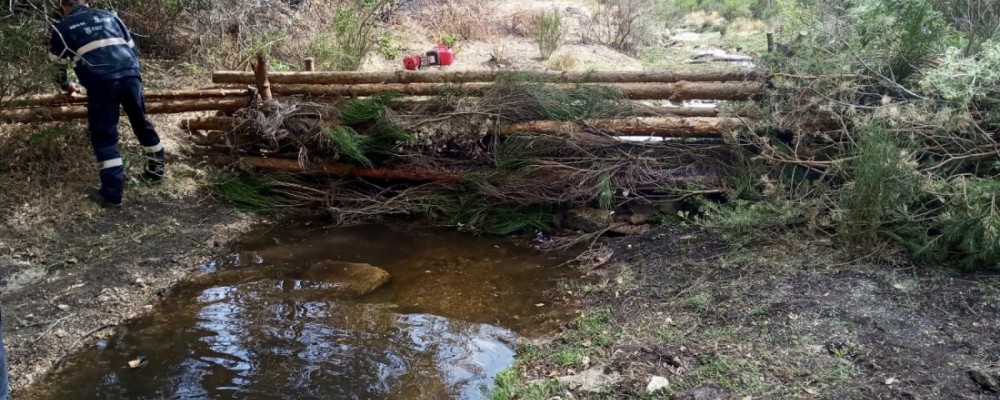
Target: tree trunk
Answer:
[[737, 91], [65, 113], [182, 94], [648, 126], [403, 77], [657, 126], [261, 78]]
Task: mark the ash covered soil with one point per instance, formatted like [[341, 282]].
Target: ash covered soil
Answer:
[[784, 320]]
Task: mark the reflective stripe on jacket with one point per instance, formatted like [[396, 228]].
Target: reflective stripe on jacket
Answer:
[[98, 45]]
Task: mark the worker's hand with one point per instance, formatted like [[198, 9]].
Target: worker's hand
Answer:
[[70, 90]]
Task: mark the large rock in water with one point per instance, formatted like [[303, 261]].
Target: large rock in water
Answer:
[[352, 279]]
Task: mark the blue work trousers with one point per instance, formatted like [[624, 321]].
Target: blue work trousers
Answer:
[[103, 104]]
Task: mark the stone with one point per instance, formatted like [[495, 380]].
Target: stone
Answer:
[[709, 391], [656, 384], [588, 219], [987, 382], [592, 380], [352, 279], [638, 219]]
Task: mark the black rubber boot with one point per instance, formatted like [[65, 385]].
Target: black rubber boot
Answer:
[[94, 194], [155, 168]]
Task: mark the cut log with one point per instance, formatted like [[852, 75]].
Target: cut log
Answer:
[[707, 58], [704, 112], [150, 95], [679, 91], [356, 78], [646, 126], [65, 113], [261, 78], [657, 126], [228, 123], [339, 169]]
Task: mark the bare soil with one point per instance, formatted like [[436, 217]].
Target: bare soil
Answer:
[[784, 320]]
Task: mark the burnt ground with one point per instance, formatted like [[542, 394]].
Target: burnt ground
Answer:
[[785, 320], [69, 268]]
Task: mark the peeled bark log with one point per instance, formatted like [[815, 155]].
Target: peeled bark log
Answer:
[[332, 168], [657, 126], [680, 91], [645, 126], [704, 112], [356, 78], [182, 94], [65, 113]]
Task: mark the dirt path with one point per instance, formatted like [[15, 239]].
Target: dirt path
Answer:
[[68, 268]]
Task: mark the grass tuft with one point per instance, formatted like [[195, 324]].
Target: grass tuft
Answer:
[[349, 143], [250, 193]]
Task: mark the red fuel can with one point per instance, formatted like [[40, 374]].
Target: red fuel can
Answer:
[[412, 63], [445, 55]]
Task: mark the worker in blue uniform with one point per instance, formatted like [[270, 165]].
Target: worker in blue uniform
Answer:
[[103, 55]]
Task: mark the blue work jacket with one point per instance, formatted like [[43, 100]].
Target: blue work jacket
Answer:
[[98, 45]]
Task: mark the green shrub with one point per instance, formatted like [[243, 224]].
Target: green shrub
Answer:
[[884, 183], [978, 20], [548, 33], [24, 66], [969, 227], [353, 36], [968, 82], [732, 9]]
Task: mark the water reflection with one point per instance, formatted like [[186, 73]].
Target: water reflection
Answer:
[[433, 332]]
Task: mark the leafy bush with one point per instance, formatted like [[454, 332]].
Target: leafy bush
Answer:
[[979, 20], [354, 35], [732, 9], [918, 33], [913, 155], [884, 183], [620, 24], [548, 33], [24, 66]]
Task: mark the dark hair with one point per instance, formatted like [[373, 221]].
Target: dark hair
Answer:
[[71, 3]]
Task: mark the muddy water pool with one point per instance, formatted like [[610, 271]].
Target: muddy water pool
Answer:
[[445, 324]]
